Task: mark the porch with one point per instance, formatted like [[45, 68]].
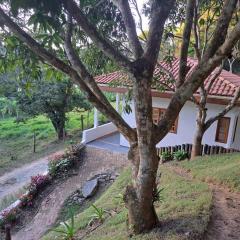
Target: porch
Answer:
[[109, 142]]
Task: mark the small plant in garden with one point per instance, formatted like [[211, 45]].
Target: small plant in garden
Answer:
[[26, 200], [9, 216], [180, 155], [158, 196], [56, 166], [166, 156], [98, 213], [68, 229], [38, 181]]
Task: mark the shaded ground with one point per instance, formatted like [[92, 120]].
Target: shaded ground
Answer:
[[225, 220], [11, 182], [95, 162], [110, 142]]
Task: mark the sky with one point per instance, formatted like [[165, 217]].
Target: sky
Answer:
[[145, 20]]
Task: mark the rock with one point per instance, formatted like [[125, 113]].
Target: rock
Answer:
[[80, 200], [90, 188]]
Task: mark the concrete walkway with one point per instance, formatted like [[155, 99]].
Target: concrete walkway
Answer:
[[109, 142], [11, 182]]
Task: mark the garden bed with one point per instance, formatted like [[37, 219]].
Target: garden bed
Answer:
[[23, 210]]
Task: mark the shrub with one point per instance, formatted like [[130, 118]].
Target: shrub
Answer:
[[59, 166], [166, 156], [8, 216], [26, 200], [38, 181], [180, 155]]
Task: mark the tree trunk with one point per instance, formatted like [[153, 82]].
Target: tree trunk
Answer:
[[139, 196], [143, 154], [197, 142], [59, 126]]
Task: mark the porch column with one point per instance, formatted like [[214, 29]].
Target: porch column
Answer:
[[117, 101], [123, 102], [95, 118], [231, 131]]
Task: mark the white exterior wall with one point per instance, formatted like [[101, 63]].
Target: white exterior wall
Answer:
[[97, 132], [187, 125]]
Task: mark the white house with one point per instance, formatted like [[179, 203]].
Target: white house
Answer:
[[225, 132]]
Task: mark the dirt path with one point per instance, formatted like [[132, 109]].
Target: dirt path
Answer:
[[225, 219], [96, 161], [11, 182]]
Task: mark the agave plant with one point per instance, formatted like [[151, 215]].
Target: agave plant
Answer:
[[98, 213], [68, 229]]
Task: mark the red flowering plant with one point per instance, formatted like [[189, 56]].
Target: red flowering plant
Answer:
[[26, 200], [8, 216], [38, 181]]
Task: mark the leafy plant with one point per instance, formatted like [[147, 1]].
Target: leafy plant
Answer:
[[38, 181], [58, 165], [68, 229], [8, 216], [98, 213], [157, 197], [180, 155], [166, 156]]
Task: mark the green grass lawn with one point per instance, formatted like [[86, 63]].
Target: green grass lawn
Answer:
[[222, 169], [16, 139], [184, 210]]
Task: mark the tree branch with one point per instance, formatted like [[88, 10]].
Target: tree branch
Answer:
[[196, 32], [128, 132], [228, 108], [186, 41], [135, 4], [196, 78], [89, 80], [130, 25], [96, 37], [213, 78], [160, 12]]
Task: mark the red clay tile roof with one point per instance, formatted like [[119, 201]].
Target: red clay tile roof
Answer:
[[225, 85]]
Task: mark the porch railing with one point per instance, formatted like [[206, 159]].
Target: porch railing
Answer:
[[205, 149]]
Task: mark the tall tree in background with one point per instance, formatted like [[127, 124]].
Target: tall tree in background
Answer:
[[205, 18], [52, 98], [138, 62]]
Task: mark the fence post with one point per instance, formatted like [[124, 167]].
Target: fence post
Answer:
[[82, 126], [88, 118], [8, 233], [34, 142]]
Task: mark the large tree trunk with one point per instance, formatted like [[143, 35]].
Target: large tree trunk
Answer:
[[58, 123], [143, 155], [139, 196], [197, 142]]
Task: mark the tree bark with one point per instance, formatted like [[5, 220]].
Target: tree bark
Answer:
[[197, 142], [59, 126], [139, 196], [143, 155]]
